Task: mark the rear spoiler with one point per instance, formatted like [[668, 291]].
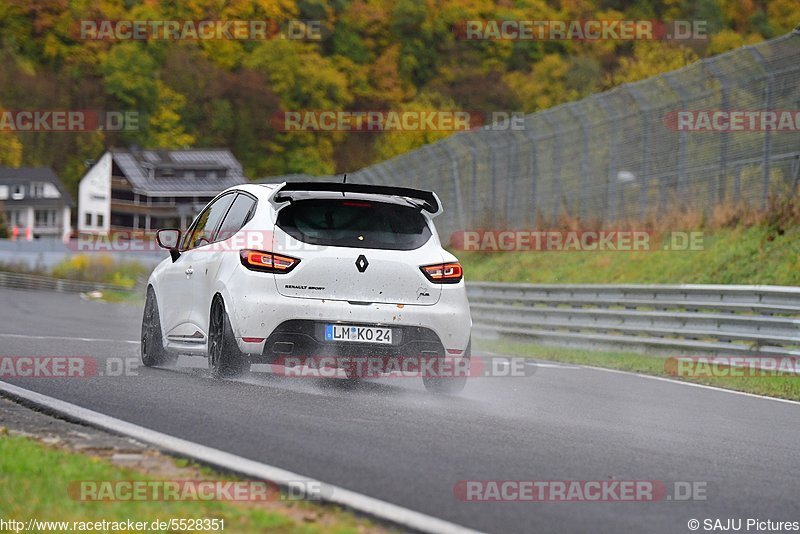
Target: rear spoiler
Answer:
[[426, 200]]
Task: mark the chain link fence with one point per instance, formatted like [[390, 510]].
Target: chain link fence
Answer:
[[617, 155]]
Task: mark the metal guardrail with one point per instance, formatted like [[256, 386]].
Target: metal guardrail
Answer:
[[59, 285], [752, 320]]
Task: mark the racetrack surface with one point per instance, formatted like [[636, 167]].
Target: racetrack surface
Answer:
[[392, 440]]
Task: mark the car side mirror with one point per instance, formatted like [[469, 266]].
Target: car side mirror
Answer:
[[169, 239]]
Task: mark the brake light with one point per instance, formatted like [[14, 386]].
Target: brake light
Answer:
[[443, 273], [267, 262]]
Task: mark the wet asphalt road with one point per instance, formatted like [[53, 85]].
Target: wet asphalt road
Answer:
[[391, 440]]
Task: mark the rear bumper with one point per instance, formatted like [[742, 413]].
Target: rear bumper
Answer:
[[275, 318], [303, 338]]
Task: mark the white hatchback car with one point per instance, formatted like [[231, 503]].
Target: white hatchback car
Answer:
[[307, 269]]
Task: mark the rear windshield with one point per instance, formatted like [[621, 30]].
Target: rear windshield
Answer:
[[355, 223]]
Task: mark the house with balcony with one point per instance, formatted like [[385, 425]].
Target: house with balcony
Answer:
[[132, 190], [35, 203]]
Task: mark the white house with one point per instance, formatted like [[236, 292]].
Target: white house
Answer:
[[35, 202], [142, 190]]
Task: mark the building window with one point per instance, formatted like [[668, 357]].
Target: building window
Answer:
[[100, 220], [37, 189], [17, 192], [44, 218], [87, 219], [14, 218]]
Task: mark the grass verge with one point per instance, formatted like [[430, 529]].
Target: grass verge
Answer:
[[34, 482], [124, 297], [783, 386], [758, 254]]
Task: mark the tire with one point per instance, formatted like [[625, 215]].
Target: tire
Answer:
[[224, 357], [449, 385], [151, 347]]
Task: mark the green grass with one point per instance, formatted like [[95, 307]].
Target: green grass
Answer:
[[131, 297], [758, 254], [745, 255], [34, 481], [782, 386], [100, 268]]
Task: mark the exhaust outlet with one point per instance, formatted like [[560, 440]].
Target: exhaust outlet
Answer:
[[283, 347]]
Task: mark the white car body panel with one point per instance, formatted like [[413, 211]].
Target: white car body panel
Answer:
[[392, 291]]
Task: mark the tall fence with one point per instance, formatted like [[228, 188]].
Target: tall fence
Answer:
[[618, 155]]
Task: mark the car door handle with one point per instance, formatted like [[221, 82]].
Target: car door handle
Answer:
[[189, 271]]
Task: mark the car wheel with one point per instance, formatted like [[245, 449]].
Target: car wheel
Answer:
[[449, 385], [224, 357], [152, 345]]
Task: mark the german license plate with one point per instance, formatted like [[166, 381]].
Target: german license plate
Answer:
[[358, 334]]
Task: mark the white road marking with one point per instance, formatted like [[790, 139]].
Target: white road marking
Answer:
[[659, 378], [553, 365], [65, 338], [334, 494], [537, 363], [690, 384], [534, 363]]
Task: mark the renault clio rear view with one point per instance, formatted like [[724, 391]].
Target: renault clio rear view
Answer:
[[277, 273]]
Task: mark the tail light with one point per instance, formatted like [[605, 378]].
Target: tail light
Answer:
[[443, 273], [267, 262]]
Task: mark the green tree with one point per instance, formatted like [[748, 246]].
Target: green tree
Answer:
[[393, 143], [10, 149], [3, 224], [165, 128], [649, 59]]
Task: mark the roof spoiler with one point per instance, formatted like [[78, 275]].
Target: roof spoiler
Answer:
[[426, 200]]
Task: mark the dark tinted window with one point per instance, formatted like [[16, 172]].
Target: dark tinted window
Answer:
[[355, 223], [236, 217], [202, 231]]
